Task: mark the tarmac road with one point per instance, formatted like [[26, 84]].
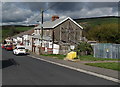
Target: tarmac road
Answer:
[[24, 70]]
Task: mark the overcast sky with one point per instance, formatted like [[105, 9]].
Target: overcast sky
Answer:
[[22, 12]]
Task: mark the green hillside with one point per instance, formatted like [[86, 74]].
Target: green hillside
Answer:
[[13, 30], [102, 29], [96, 21]]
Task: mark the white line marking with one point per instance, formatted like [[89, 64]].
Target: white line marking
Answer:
[[81, 70]]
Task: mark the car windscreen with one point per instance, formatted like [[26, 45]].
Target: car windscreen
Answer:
[[21, 48]]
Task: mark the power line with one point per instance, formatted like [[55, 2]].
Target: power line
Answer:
[[34, 18], [44, 11], [51, 6]]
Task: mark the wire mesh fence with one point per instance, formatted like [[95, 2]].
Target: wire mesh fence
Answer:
[[107, 50]]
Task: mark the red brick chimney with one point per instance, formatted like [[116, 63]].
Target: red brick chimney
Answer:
[[55, 17]]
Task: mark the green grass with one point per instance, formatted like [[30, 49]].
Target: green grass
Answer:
[[91, 58], [98, 21], [82, 58], [113, 66], [55, 56], [6, 30], [21, 29]]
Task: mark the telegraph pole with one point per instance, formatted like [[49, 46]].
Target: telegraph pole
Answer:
[[42, 24], [41, 31]]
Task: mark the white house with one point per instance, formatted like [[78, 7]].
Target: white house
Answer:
[[27, 41]]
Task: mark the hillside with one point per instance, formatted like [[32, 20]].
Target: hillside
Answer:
[[13, 30], [95, 21], [101, 29]]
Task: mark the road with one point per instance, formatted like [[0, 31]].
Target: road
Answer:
[[24, 70]]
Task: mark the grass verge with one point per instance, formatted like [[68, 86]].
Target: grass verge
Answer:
[[55, 56], [91, 58], [113, 66], [82, 58]]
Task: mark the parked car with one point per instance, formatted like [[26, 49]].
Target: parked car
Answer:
[[2, 46], [19, 50], [9, 47]]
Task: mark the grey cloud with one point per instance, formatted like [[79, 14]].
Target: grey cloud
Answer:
[[34, 6], [66, 6], [12, 13], [87, 9], [92, 5], [21, 11], [97, 12], [74, 6]]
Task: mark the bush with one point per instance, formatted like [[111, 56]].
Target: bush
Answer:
[[84, 48], [106, 33]]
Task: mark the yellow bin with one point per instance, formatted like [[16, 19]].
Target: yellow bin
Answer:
[[71, 55]]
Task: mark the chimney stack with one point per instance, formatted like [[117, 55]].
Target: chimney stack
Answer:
[[55, 17]]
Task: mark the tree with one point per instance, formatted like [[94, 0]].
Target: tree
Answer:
[[12, 31], [84, 48], [106, 33]]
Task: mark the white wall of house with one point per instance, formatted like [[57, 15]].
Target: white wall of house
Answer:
[[14, 41], [36, 42], [36, 31], [8, 41], [27, 41], [19, 39], [25, 37]]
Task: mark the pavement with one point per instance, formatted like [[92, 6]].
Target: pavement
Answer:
[[29, 70], [80, 65]]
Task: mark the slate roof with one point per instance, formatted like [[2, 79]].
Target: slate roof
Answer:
[[53, 24], [38, 36]]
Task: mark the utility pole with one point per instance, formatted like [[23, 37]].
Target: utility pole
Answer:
[[42, 24], [41, 31]]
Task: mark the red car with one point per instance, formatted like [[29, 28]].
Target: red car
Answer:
[[3, 46], [9, 47]]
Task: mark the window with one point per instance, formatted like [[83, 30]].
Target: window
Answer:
[[21, 48]]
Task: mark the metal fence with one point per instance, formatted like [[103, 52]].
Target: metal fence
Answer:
[[107, 50]]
